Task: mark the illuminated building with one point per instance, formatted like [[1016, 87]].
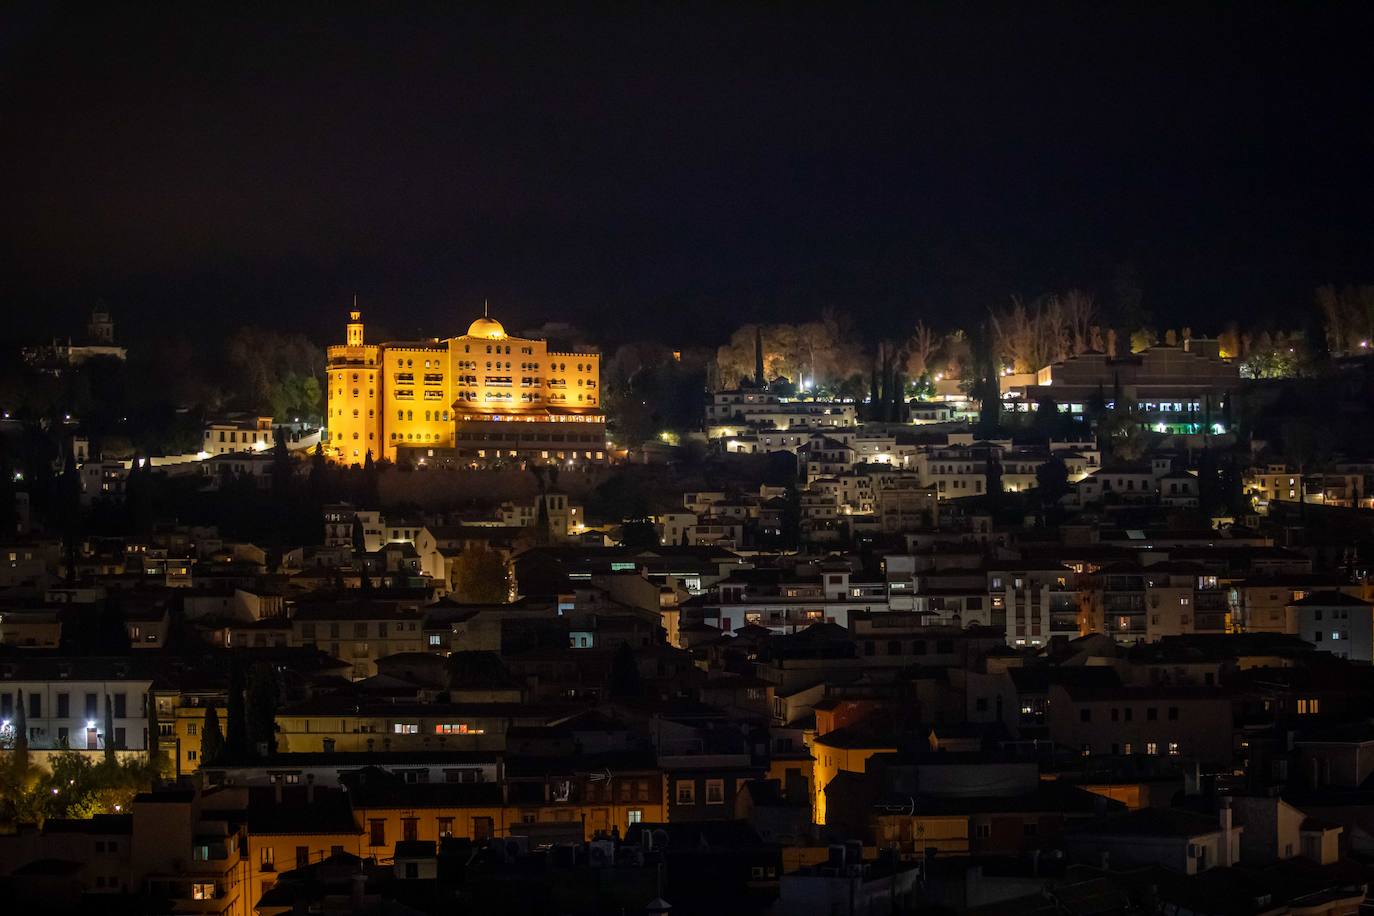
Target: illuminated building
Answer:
[[1177, 389], [237, 434], [475, 399]]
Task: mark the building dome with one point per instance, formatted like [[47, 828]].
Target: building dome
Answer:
[[489, 328]]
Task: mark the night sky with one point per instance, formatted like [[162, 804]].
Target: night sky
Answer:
[[673, 171]]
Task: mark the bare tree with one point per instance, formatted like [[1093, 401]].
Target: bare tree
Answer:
[[1015, 333], [1348, 314], [1078, 311], [1031, 337], [920, 348]]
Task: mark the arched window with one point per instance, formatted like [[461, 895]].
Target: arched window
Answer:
[[410, 415]]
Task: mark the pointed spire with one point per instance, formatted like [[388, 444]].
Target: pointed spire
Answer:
[[355, 302], [486, 310]]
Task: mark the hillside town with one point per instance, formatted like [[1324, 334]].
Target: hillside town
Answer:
[[817, 654], [687, 459]]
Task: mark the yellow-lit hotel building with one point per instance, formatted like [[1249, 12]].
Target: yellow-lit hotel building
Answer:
[[476, 399]]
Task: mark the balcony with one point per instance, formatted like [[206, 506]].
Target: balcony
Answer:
[[1062, 623]]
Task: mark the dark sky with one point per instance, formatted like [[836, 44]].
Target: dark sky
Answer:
[[674, 170]]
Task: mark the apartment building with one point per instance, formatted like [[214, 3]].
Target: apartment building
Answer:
[[81, 704]]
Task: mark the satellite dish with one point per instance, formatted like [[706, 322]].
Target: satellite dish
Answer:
[[660, 838]]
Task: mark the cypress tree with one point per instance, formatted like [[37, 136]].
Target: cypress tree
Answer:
[[236, 727], [624, 676], [112, 632], [211, 739], [543, 534], [993, 475], [282, 469], [69, 502], [21, 736], [9, 518], [370, 496], [874, 395], [109, 730], [319, 468], [281, 475], [154, 730], [262, 709], [759, 375]]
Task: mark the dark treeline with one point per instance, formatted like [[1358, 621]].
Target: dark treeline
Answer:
[[156, 401]]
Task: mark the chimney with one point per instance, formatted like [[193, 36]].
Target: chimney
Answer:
[[1227, 857]]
